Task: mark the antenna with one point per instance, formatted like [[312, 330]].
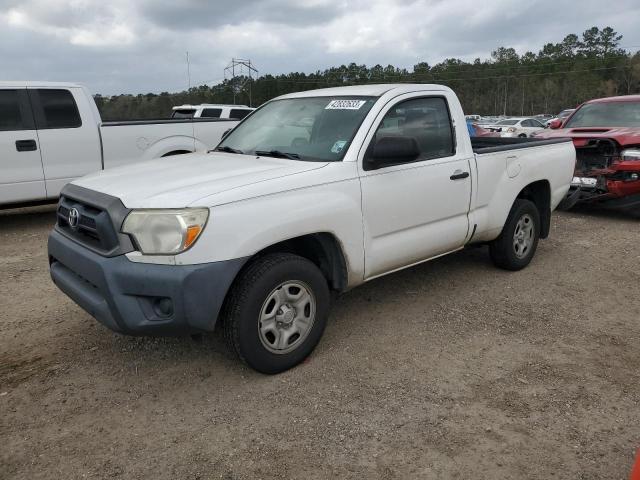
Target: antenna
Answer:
[[240, 73]]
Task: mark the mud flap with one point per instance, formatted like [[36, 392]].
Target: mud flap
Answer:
[[570, 200]]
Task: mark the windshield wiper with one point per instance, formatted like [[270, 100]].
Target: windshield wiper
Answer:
[[226, 150], [277, 154]]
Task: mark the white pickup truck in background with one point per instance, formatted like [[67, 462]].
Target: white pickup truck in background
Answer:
[[211, 110], [51, 133], [314, 193]]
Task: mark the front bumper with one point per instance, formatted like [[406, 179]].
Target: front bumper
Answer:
[[140, 298]]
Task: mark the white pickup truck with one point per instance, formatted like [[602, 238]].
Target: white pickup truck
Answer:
[[314, 193], [51, 133], [211, 110]]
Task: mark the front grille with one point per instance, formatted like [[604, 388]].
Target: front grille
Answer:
[[92, 226]]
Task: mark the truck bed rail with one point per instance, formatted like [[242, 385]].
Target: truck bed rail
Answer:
[[497, 144]]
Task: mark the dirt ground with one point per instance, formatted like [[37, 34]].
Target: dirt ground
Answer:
[[450, 370]]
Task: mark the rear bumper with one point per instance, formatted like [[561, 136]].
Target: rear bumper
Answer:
[[138, 298]]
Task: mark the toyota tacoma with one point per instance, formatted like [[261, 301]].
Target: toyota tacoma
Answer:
[[313, 194]]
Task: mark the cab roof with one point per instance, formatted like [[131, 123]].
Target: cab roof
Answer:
[[208, 105], [370, 90], [622, 98], [34, 84]]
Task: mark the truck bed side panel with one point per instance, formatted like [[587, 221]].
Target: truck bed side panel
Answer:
[[128, 142], [503, 174]]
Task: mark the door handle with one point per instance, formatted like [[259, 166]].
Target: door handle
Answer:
[[26, 145], [458, 175]]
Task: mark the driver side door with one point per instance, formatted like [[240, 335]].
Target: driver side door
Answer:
[[418, 209]]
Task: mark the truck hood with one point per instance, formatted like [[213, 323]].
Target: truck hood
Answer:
[[624, 136], [182, 180]]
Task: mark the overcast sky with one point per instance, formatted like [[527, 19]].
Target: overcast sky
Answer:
[[138, 46]]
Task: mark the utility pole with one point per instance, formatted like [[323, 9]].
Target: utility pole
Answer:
[[188, 73], [240, 73], [506, 92]]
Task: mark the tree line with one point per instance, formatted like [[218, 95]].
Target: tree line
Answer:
[[561, 75]]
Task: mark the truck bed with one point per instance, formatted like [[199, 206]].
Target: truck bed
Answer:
[[482, 145], [131, 141]]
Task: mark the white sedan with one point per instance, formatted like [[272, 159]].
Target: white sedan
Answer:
[[517, 127]]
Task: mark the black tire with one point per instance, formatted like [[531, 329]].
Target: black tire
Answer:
[[243, 306], [503, 251], [522, 135]]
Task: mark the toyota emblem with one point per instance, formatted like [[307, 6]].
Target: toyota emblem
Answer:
[[73, 218]]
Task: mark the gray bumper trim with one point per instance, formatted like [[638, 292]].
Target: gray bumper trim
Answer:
[[122, 294]]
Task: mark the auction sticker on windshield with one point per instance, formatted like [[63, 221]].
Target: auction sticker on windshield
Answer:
[[345, 104], [338, 146]]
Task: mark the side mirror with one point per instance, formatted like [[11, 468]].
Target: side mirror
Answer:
[[225, 133], [555, 124], [387, 151]]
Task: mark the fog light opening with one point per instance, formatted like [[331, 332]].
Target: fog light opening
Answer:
[[163, 307]]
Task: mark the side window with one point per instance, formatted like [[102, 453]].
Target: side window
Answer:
[[238, 113], [211, 113], [184, 113], [59, 109], [10, 114], [425, 119], [536, 123], [527, 123]]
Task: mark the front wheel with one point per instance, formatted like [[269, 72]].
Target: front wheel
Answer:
[[276, 312], [516, 245]]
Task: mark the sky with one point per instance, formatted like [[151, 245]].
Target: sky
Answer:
[[139, 46]]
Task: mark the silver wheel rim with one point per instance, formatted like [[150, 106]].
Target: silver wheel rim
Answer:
[[523, 236], [286, 317]]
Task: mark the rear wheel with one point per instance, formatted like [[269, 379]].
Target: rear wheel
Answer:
[[517, 244], [276, 312]]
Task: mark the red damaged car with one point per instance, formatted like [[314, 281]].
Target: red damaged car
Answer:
[[606, 134]]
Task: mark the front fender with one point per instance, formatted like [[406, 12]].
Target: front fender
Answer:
[[244, 228]]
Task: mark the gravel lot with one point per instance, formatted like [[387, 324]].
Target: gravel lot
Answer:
[[452, 369]]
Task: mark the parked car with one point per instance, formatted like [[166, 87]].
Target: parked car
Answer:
[[476, 130], [606, 134], [521, 127], [51, 133], [561, 117], [543, 117], [211, 110], [313, 194]]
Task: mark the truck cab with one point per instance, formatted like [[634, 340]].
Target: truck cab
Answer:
[[40, 125]]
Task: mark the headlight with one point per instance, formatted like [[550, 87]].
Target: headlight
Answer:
[[511, 129], [165, 232], [630, 154]]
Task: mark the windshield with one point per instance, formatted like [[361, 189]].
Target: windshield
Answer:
[[311, 128], [507, 122], [606, 114]]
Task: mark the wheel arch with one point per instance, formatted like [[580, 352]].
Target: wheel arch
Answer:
[[176, 152], [539, 193], [322, 248]]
